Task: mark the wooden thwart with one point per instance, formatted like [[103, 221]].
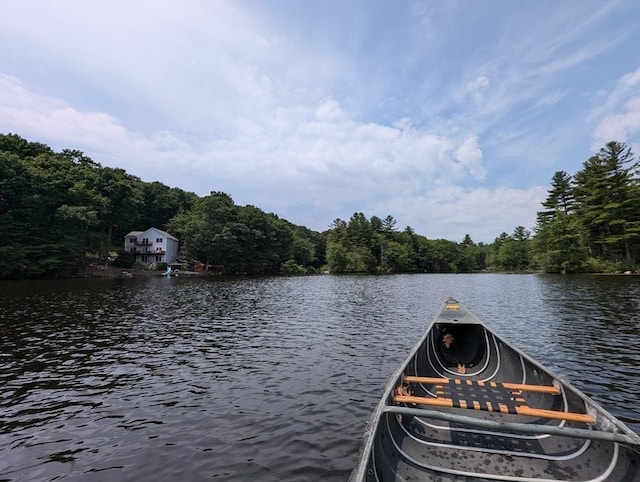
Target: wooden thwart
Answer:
[[491, 406], [522, 410], [510, 386]]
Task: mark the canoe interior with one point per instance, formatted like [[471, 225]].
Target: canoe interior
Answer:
[[459, 347]]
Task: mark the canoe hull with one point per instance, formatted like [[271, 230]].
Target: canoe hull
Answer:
[[463, 420]]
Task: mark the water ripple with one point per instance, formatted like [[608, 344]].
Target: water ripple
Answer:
[[193, 379]]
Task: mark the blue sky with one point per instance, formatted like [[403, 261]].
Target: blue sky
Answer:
[[451, 116]]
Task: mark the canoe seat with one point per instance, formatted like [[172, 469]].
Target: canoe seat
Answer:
[[500, 397], [480, 396]]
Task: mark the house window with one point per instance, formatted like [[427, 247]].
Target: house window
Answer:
[[158, 259], [132, 240], [158, 240], [145, 259]]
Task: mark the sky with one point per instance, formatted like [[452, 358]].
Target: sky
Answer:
[[451, 116]]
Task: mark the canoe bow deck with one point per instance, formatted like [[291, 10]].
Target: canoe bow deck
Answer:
[[466, 405]]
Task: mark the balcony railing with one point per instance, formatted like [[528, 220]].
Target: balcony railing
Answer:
[[137, 252], [144, 242]]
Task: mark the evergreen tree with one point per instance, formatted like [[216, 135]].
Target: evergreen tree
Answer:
[[389, 225], [608, 203], [556, 246], [560, 198]]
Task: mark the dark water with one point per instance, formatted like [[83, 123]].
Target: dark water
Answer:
[[271, 379]]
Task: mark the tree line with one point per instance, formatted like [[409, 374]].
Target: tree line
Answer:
[[591, 220], [62, 211], [244, 239]]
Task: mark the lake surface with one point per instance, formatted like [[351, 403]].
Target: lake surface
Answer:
[[268, 379]]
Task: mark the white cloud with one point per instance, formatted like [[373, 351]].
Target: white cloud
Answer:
[[191, 64], [477, 86], [329, 111], [618, 118], [551, 98], [470, 155], [540, 51], [43, 117], [450, 212], [316, 157], [317, 115]]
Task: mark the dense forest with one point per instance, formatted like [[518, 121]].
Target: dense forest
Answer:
[[591, 220], [61, 212]]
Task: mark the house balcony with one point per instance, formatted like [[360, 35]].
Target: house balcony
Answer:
[[143, 243], [148, 252]]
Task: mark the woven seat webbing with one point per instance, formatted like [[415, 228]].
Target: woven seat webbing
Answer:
[[491, 397]]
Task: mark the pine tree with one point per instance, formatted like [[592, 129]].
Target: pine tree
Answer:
[[560, 198], [607, 196]]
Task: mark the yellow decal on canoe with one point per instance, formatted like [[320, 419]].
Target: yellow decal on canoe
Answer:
[[452, 307]]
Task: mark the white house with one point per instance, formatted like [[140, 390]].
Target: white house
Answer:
[[151, 246]]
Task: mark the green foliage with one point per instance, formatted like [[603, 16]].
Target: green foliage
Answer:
[[59, 209], [472, 256], [359, 230], [13, 143], [336, 257], [595, 265], [443, 256], [560, 199], [125, 260], [608, 200], [43, 224], [512, 252], [388, 225], [244, 239], [375, 246], [159, 203], [593, 223], [353, 260], [556, 248], [303, 250], [291, 268], [397, 257]]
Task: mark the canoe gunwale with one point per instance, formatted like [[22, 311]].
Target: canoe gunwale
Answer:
[[366, 449], [514, 427]]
